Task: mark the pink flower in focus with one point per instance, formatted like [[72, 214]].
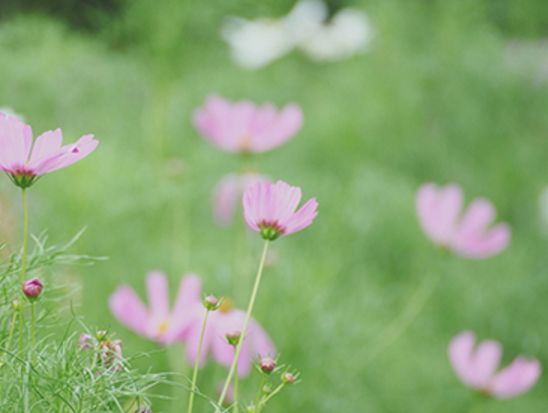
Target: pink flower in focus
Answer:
[[228, 192], [476, 368], [24, 162], [245, 127], [157, 322], [256, 343], [271, 209], [439, 211]]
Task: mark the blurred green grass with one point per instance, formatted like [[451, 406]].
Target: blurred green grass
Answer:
[[433, 101]]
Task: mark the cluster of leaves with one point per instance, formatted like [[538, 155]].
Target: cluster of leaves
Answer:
[[55, 374]]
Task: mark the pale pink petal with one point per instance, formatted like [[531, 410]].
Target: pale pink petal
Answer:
[[46, 145], [474, 239], [303, 217], [516, 379], [449, 208], [128, 309], [262, 344], [187, 303], [288, 122], [461, 353], [158, 295], [485, 362], [225, 198], [427, 211]]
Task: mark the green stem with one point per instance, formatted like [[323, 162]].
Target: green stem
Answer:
[[235, 383], [259, 394], [32, 323], [399, 326], [197, 365], [23, 265], [271, 395], [246, 321]]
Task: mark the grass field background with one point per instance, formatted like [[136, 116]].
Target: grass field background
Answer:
[[435, 100]]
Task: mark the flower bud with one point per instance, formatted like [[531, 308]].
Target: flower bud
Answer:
[[267, 365], [32, 289], [143, 410], [16, 306], [267, 389], [211, 303], [288, 378], [101, 335], [233, 337], [86, 341]]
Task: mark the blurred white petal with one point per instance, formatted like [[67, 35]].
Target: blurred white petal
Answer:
[[349, 32]]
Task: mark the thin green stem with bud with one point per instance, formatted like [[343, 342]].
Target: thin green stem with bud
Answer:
[[32, 318], [246, 321], [197, 365], [271, 395], [235, 383], [23, 265], [260, 393]]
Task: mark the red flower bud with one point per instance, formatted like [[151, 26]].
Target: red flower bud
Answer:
[[32, 289]]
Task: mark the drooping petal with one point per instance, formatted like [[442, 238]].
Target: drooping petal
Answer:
[[128, 309], [158, 295], [461, 353], [516, 379]]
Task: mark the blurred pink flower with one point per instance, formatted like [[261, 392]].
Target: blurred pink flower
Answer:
[[47, 154], [245, 127], [228, 192], [256, 343], [157, 322], [476, 367], [271, 209], [439, 211]]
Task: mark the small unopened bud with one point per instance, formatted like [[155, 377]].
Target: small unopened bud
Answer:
[[233, 337], [86, 341], [267, 389], [143, 410], [267, 364], [211, 303], [101, 335], [16, 305], [288, 378], [32, 289]]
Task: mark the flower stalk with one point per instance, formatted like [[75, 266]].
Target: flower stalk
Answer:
[[246, 322], [197, 364], [23, 264]]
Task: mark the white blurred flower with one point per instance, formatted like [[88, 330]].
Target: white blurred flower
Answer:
[[349, 32], [10, 112], [255, 44]]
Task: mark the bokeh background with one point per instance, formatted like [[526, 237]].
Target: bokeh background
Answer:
[[451, 91]]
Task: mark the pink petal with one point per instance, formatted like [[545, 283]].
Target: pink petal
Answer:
[[461, 353], [128, 309], [225, 198], [303, 217], [486, 361], [427, 210], [288, 122], [46, 145], [193, 338], [516, 379], [474, 239], [158, 295]]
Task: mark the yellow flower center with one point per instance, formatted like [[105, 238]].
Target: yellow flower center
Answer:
[[226, 305]]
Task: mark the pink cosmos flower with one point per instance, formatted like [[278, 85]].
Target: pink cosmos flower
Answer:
[[476, 368], [271, 209], [226, 319], [228, 192], [157, 322], [439, 211], [245, 127], [25, 162]]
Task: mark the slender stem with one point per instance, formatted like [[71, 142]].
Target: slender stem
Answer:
[[197, 365], [235, 383], [246, 321], [399, 326], [260, 393], [23, 265], [13, 319], [271, 395], [32, 318]]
